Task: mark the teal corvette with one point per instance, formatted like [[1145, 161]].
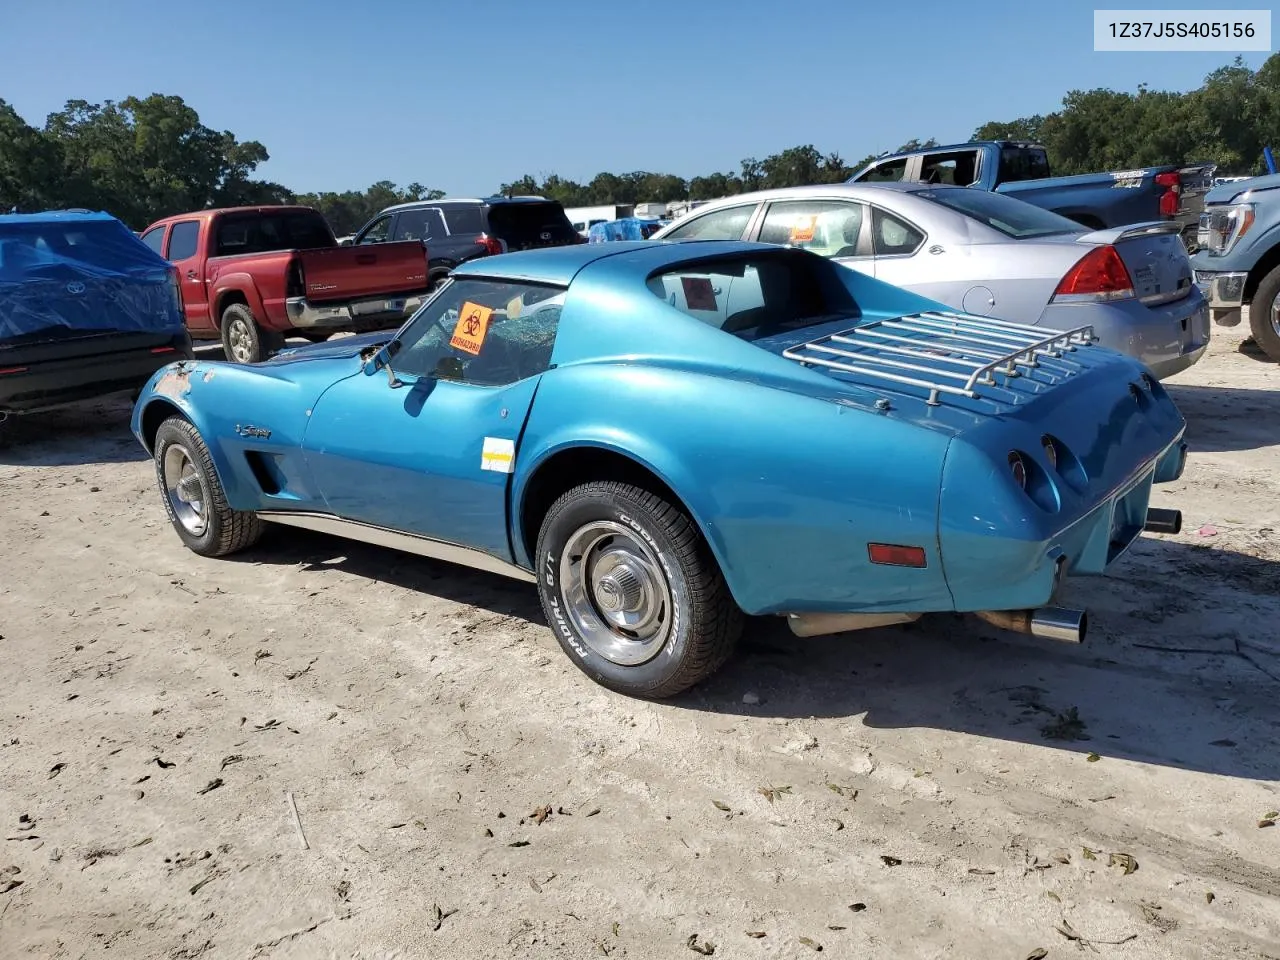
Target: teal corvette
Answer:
[[667, 436]]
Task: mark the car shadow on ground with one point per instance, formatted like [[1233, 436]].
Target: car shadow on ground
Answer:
[[1145, 688], [93, 431], [1222, 419]]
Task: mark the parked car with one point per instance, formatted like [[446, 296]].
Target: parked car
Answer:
[[1021, 169], [664, 436], [987, 254], [252, 276], [1238, 263], [86, 310], [628, 228], [458, 231]]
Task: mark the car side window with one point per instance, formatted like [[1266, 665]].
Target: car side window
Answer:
[[154, 238], [183, 238], [379, 231], [465, 219], [482, 332], [426, 224], [892, 237], [959, 169], [726, 224], [829, 228], [891, 171]]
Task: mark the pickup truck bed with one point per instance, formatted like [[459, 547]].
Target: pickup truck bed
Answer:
[[252, 276]]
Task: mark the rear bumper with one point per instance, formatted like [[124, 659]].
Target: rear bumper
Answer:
[[1224, 291], [44, 384], [371, 313], [1168, 338], [1032, 572]]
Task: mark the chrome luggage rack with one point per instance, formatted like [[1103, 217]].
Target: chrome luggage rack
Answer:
[[951, 353]]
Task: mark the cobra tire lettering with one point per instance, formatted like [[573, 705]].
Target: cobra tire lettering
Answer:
[[666, 568]]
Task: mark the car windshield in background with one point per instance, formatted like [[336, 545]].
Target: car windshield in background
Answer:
[[757, 295], [264, 232], [1013, 218], [525, 223]]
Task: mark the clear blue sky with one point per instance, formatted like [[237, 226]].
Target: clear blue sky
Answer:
[[469, 94]]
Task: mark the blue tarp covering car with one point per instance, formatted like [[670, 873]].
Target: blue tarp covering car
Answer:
[[86, 309], [68, 272], [628, 228]]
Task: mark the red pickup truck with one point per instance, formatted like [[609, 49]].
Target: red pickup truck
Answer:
[[253, 275]]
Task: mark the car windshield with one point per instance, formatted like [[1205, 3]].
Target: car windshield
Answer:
[[1013, 218], [757, 295]]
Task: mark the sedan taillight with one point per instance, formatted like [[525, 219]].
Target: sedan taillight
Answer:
[[1099, 275]]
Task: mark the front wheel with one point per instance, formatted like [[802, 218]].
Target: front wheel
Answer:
[[632, 591], [1264, 315], [194, 497]]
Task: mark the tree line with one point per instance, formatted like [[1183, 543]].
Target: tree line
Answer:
[[144, 158]]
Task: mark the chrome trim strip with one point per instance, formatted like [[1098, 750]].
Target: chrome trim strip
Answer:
[[397, 540]]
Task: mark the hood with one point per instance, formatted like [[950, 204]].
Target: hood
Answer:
[[1229, 192], [331, 349]]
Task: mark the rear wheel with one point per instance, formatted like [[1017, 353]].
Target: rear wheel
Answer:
[[193, 495], [434, 279], [1264, 315], [243, 340], [632, 591]]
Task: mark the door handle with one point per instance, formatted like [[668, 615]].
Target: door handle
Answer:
[[366, 258], [191, 275]]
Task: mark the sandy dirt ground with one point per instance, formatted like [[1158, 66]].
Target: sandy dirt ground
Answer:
[[938, 791]]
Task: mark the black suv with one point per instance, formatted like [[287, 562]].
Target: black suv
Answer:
[[456, 231]]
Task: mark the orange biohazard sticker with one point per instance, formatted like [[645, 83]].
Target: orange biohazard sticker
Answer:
[[473, 324], [802, 230]]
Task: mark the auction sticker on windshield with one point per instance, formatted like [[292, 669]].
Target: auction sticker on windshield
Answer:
[[473, 324]]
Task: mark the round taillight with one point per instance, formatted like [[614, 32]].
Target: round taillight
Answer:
[[1019, 468], [1050, 451]]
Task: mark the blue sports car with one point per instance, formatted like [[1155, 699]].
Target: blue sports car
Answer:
[[667, 436]]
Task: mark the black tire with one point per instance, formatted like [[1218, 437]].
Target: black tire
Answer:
[[223, 530], [702, 622], [243, 340], [435, 278], [1263, 318]]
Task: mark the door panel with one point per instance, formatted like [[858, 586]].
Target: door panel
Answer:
[[414, 457], [183, 249]]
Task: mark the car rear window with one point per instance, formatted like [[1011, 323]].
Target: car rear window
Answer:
[[1023, 163], [757, 295], [524, 223], [264, 232], [1013, 218]]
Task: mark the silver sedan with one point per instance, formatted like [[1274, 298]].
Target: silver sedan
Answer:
[[988, 254]]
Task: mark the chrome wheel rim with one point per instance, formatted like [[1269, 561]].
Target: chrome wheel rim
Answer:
[[1275, 315], [185, 489], [616, 595], [239, 340]]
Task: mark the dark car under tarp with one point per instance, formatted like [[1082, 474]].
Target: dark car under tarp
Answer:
[[86, 309]]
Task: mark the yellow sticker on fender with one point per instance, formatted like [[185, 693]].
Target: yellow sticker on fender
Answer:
[[473, 324]]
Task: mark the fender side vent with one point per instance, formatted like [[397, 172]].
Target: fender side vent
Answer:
[[264, 471]]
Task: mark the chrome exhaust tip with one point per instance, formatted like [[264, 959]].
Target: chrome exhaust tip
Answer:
[[1163, 521], [1048, 623]]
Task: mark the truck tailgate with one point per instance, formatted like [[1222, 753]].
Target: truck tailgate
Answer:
[[347, 273]]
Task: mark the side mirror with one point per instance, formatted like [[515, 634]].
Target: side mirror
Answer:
[[382, 360]]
